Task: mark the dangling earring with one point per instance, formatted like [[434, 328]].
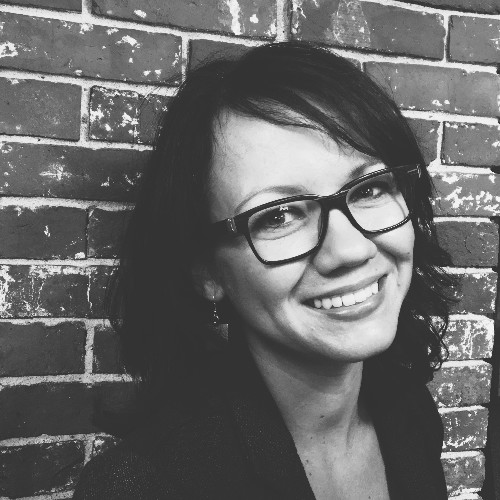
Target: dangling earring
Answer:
[[215, 316], [216, 325]]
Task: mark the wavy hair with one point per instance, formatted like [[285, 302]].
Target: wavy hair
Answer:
[[160, 318]]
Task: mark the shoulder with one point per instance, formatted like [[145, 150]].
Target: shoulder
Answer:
[[122, 473], [152, 461]]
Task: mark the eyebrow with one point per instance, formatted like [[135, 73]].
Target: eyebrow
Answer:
[[292, 190]]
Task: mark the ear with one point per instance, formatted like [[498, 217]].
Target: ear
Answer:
[[205, 282]]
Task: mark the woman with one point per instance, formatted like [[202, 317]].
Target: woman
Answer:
[[287, 195]]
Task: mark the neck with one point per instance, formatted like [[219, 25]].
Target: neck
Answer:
[[317, 400]]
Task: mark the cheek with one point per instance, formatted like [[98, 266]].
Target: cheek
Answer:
[[252, 286]]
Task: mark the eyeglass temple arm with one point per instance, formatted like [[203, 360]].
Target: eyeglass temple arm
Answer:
[[224, 228]]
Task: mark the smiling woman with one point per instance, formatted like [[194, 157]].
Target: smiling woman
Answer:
[[287, 194]]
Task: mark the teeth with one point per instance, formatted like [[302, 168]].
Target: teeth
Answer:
[[336, 301], [348, 299], [326, 303]]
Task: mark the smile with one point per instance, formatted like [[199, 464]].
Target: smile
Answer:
[[348, 299]]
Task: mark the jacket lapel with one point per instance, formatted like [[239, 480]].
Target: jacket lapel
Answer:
[[269, 446]]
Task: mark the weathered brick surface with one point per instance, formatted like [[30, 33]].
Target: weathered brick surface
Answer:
[[482, 6], [431, 88], [42, 233], [39, 349], [40, 469], [105, 232], [466, 194], [370, 26], [464, 471], [58, 408], [70, 172], [426, 133], [462, 384], [31, 291], [474, 39], [49, 4], [120, 116], [204, 50], [102, 443], [470, 338], [469, 243], [106, 351], [247, 17], [476, 145], [31, 107], [465, 428], [48, 290], [98, 283], [477, 294], [61, 47]]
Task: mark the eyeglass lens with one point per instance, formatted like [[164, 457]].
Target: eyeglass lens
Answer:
[[292, 229]]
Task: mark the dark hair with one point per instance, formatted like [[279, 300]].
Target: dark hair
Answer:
[[161, 319]]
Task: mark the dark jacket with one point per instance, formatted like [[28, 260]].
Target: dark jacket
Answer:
[[235, 445]]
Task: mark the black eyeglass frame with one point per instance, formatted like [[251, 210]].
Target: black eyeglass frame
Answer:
[[238, 224]]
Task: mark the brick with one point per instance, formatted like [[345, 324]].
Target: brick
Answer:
[[105, 231], [102, 443], [426, 133], [256, 18], [462, 383], [36, 291], [40, 468], [39, 349], [58, 408], [106, 351], [431, 88], [123, 116], [465, 428], [466, 194], [474, 39], [49, 4], [54, 290], [476, 145], [469, 243], [61, 47], [370, 26], [42, 232], [469, 338], [30, 107], [480, 6], [70, 172], [464, 472], [478, 292], [99, 277], [205, 50]]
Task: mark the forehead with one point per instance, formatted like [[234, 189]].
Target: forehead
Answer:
[[255, 161]]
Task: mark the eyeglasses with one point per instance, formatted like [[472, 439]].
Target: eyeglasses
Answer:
[[291, 228]]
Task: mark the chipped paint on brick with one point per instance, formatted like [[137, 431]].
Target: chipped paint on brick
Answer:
[[8, 49], [349, 26], [235, 13], [5, 280], [470, 338], [56, 171]]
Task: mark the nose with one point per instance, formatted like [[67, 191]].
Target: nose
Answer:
[[342, 246]]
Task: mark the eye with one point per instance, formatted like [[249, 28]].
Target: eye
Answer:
[[279, 221], [276, 217], [373, 190]]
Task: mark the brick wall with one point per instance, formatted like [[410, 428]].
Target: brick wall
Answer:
[[81, 84]]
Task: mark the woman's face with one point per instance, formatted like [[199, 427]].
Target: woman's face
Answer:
[[256, 162]]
